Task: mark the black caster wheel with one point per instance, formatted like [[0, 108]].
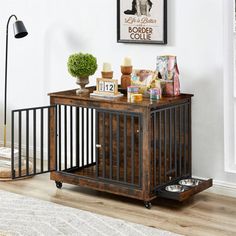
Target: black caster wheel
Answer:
[[58, 184], [148, 205]]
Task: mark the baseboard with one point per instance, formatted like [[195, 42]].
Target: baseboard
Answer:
[[222, 188]]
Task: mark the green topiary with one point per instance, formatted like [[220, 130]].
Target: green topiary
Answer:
[[82, 65]]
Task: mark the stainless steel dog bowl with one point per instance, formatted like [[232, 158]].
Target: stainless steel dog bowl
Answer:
[[175, 188], [189, 182]]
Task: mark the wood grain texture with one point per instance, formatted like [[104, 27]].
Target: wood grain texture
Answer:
[[204, 214]]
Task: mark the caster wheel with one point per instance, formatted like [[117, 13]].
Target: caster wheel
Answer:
[[58, 184], [148, 205]]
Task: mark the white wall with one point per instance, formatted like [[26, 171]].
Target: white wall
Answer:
[[57, 28]]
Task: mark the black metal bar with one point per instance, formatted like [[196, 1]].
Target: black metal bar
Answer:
[[111, 146], [59, 136], [41, 136], [31, 109], [170, 134], [165, 144], [12, 146], [190, 137], [55, 134], [19, 144], [169, 107], [87, 135], [49, 139], [180, 141], [103, 146], [97, 142], [118, 147], [77, 145], [65, 136], [175, 137], [185, 122], [71, 136], [155, 148], [82, 124], [132, 150], [160, 149], [92, 136], [140, 148], [125, 148], [27, 142], [34, 141]]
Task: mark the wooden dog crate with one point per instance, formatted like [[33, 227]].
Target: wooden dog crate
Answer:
[[129, 149]]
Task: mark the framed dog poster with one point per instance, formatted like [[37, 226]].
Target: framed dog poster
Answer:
[[142, 21]]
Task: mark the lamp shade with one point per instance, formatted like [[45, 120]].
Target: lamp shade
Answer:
[[19, 29]]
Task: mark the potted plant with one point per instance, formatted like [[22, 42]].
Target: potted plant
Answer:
[[82, 66]]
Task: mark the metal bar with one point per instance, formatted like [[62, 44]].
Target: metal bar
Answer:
[[27, 142], [118, 147], [92, 133], [185, 122], [103, 146], [132, 150], [180, 140], [140, 148], [12, 146], [155, 148], [59, 136], [71, 136], [170, 137], [169, 107], [65, 136], [41, 137], [97, 142], [175, 137], [87, 135], [82, 124], [77, 144], [111, 146], [49, 138], [34, 141], [55, 134], [190, 138], [19, 147], [125, 148], [165, 144], [160, 149], [31, 109]]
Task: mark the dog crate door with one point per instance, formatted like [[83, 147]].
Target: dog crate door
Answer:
[[119, 147], [33, 141]]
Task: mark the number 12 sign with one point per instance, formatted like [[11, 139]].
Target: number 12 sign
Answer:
[[107, 86]]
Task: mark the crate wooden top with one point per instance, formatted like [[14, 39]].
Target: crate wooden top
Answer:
[[71, 94]]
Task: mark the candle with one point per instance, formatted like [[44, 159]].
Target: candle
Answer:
[[127, 61], [106, 67]]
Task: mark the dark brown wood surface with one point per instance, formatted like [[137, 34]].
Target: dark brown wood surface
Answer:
[[71, 96]]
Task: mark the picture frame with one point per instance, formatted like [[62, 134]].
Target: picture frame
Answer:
[[148, 25]]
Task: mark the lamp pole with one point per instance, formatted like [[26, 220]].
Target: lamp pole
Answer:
[[20, 32], [5, 94]]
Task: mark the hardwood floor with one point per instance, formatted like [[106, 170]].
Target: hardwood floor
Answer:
[[205, 214]]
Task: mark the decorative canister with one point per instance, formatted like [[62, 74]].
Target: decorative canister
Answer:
[[131, 90], [155, 94], [136, 97]]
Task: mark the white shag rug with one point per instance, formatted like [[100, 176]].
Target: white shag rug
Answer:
[[20, 215]]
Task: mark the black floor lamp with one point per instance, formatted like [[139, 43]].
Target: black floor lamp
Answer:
[[19, 32]]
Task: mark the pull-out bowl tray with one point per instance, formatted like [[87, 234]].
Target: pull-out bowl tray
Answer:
[[187, 191]]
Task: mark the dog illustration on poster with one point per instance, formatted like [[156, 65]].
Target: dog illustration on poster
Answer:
[[140, 7]]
